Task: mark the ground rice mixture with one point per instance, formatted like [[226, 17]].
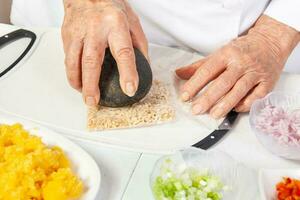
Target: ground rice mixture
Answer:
[[154, 108]]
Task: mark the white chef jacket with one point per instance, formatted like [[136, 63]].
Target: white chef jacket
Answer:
[[200, 25]]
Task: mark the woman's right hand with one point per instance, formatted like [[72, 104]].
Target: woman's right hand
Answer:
[[90, 26]]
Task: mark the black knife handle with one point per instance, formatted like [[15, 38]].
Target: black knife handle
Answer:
[[13, 36], [211, 139], [218, 134]]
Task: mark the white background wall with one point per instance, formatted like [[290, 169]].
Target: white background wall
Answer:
[[4, 11]]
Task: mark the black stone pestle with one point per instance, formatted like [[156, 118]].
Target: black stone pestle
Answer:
[[110, 89]]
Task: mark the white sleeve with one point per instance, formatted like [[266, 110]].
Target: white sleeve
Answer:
[[285, 11]]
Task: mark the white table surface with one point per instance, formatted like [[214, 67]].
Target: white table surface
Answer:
[[125, 174], [240, 143], [132, 183], [116, 167]]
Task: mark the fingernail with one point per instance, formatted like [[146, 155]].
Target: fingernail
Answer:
[[185, 96], [217, 113], [130, 89], [90, 101], [197, 109]]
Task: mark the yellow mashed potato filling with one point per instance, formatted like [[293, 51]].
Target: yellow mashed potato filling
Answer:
[[30, 170]]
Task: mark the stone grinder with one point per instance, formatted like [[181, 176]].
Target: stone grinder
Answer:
[[109, 84]]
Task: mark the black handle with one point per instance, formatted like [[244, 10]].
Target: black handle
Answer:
[[13, 36], [211, 139], [218, 134]]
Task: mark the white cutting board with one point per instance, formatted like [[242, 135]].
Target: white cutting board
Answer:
[[38, 90]]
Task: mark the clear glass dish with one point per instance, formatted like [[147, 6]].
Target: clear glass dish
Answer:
[[240, 181], [288, 103]]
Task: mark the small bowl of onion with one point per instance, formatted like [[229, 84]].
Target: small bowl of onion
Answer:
[[275, 120], [196, 174]]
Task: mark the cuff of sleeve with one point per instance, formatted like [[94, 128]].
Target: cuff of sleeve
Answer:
[[285, 11]]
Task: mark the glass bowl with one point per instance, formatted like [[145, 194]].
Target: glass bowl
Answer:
[[235, 177], [275, 120]]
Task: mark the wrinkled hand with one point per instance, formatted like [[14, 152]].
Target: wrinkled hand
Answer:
[[242, 71], [89, 27]]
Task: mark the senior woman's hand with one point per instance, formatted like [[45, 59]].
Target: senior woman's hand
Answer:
[[240, 72], [89, 27]]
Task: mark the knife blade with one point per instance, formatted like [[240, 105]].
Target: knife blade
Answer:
[[13, 36], [219, 133]]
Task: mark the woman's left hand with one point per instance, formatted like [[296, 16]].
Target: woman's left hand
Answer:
[[240, 72]]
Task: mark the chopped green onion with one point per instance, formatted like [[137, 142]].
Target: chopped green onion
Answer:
[[186, 184]]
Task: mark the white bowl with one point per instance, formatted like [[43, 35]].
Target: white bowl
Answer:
[[286, 101], [233, 174], [83, 164], [268, 179]]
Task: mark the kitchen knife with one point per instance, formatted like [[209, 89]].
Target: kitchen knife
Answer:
[[218, 134], [13, 36]]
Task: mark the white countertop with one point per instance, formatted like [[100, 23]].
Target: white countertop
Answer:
[[125, 174], [116, 166]]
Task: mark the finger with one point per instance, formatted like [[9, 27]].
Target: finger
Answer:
[[92, 59], [186, 72], [230, 100], [258, 92], [138, 37], [73, 63], [66, 30], [216, 90], [66, 39], [121, 48], [208, 71]]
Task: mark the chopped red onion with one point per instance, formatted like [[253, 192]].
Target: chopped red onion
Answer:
[[280, 123]]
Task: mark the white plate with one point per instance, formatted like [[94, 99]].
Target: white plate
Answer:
[[268, 178], [83, 164]]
